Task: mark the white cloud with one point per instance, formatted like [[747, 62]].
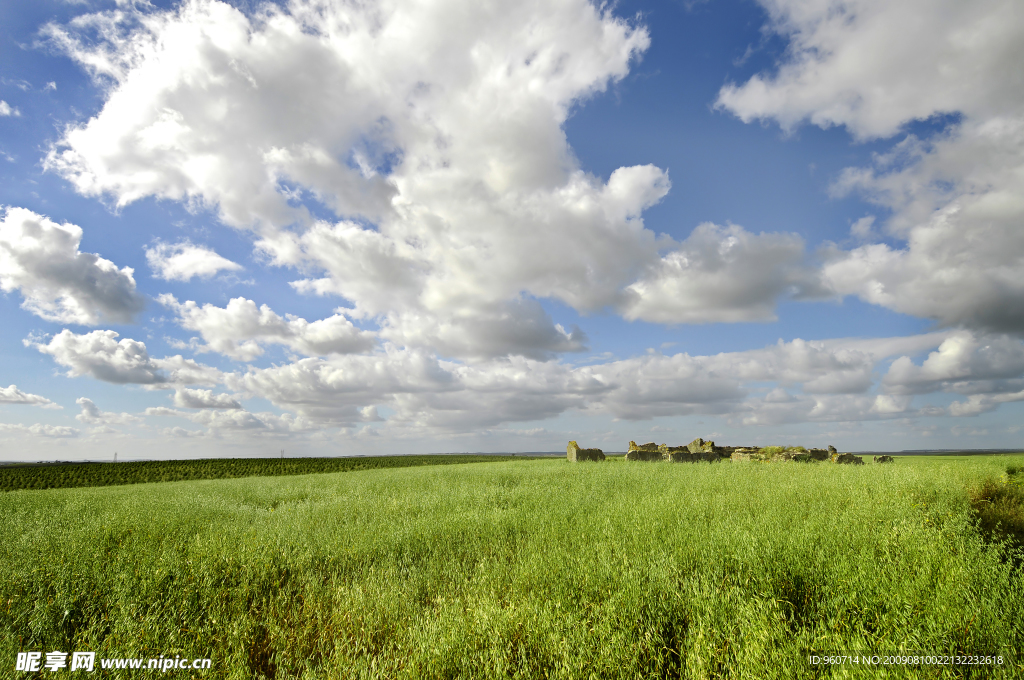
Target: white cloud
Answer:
[[264, 423], [92, 415], [434, 134], [101, 355], [832, 381], [233, 419], [956, 198], [41, 430], [520, 327], [976, 404], [239, 329], [719, 274], [12, 395], [317, 95], [874, 65], [184, 260], [334, 390], [816, 366], [965, 362], [823, 381], [182, 432], [861, 229], [163, 411], [184, 371], [781, 408], [190, 398], [7, 110], [40, 258]]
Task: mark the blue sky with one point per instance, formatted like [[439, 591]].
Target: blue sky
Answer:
[[232, 229]]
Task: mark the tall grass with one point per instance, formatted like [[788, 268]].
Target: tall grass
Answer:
[[529, 569]]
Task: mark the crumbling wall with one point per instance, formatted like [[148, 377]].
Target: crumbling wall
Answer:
[[649, 452], [577, 455]]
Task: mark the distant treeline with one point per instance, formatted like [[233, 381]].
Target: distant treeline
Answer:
[[109, 474]]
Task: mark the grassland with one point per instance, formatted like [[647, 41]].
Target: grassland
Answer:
[[525, 569], [68, 475]]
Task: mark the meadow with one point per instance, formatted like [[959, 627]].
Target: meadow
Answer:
[[527, 569]]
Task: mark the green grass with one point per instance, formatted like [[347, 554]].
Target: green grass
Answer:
[[525, 569], [999, 504], [68, 475]]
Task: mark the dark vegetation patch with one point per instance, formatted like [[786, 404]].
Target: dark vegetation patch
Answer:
[[999, 506], [112, 474]]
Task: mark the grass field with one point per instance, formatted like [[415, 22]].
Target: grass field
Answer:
[[526, 569]]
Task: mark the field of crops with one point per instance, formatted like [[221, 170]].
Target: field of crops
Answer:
[[70, 475], [526, 569]]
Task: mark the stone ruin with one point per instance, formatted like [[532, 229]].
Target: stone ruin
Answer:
[[701, 450], [575, 454], [696, 450], [646, 452]]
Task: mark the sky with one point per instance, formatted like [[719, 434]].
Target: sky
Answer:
[[321, 227]]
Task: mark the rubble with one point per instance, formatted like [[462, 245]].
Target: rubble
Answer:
[[706, 450]]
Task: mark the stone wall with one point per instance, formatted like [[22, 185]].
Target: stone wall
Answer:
[[577, 455]]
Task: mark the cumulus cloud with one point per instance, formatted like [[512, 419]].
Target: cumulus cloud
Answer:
[[92, 415], [976, 404], [955, 198], [41, 430], [264, 422], [99, 354], [191, 398], [965, 362], [185, 260], [239, 330], [520, 327], [12, 395], [722, 274], [434, 134], [838, 69], [163, 411], [218, 420], [781, 408], [333, 390], [40, 258], [8, 110]]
